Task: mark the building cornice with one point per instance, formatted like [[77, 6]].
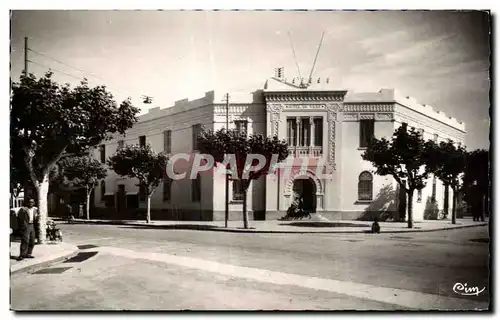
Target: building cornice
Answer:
[[292, 96]]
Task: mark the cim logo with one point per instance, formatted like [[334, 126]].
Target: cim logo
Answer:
[[464, 290]]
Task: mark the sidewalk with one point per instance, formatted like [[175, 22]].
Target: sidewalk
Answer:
[[315, 225], [45, 254]]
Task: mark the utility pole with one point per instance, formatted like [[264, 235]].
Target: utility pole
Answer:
[[25, 56], [227, 176]]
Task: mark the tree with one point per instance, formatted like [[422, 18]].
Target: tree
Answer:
[[48, 119], [404, 157], [231, 142], [143, 164], [84, 172], [447, 163], [477, 179]]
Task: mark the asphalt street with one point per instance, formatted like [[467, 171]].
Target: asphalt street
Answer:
[[137, 268]]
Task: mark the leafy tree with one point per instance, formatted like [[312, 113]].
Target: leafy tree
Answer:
[[143, 164], [48, 120], [84, 172], [447, 162], [231, 142], [404, 157], [477, 178]]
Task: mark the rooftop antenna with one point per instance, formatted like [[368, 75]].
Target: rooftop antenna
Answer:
[[316, 58], [294, 55], [147, 99]]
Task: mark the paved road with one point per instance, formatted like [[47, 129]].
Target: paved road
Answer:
[[140, 268]]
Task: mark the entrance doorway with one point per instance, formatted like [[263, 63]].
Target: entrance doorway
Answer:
[[307, 189]]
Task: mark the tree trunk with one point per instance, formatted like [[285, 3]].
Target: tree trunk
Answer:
[[89, 191], [245, 213], [454, 208], [42, 192], [446, 205], [148, 210], [410, 208]]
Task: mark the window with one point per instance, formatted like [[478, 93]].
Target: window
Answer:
[[167, 141], [291, 130], [142, 141], [196, 129], [196, 189], [167, 189], [142, 193], [102, 150], [318, 132], [419, 195], [365, 186], [121, 144], [421, 132], [237, 190], [305, 132], [103, 190], [366, 132], [435, 137], [241, 126]]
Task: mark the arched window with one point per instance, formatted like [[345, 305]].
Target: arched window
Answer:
[[365, 186]]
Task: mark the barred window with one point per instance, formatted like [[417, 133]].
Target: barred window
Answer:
[[237, 190], [196, 189], [365, 186], [102, 150], [241, 126], [121, 144], [167, 141], [142, 141], [366, 132]]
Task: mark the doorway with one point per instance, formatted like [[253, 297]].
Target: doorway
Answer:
[[307, 189]]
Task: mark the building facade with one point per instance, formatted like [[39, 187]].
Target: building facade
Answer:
[[323, 127]]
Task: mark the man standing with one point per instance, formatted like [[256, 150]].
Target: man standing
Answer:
[[27, 218]]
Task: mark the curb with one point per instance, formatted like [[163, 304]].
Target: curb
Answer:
[[221, 229], [64, 256]]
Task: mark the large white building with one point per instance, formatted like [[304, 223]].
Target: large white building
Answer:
[[319, 123]]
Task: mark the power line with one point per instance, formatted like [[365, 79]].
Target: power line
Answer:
[[53, 69], [122, 90]]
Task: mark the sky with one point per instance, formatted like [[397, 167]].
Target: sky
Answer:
[[441, 58]]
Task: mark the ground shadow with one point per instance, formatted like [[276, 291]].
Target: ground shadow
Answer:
[[318, 224], [174, 227], [480, 240], [383, 207]]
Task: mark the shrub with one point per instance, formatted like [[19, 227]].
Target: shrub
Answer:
[[431, 209]]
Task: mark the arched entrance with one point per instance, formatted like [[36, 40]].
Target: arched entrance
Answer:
[[306, 188]]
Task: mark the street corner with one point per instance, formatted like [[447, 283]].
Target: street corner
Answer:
[[43, 254]]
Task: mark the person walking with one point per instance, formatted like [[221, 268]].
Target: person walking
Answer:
[[27, 217]]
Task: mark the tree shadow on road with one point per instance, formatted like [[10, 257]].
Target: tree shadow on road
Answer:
[[175, 227], [320, 224]]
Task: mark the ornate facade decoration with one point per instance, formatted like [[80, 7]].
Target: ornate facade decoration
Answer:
[[304, 96], [332, 109], [379, 107], [351, 117], [384, 116], [366, 116], [275, 109], [305, 107]]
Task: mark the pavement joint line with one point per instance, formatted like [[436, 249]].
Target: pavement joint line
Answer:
[[401, 297]]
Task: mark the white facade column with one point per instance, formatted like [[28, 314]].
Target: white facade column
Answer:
[[311, 133]]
